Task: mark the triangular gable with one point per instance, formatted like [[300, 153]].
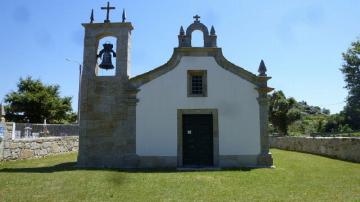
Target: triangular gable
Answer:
[[180, 52]]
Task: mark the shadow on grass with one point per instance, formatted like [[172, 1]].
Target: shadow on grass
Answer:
[[71, 166]]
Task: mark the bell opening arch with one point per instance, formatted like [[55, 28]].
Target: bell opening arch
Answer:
[[106, 52], [185, 38], [197, 26], [197, 39]]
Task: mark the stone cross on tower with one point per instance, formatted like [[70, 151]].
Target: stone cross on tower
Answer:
[[196, 17], [107, 8]]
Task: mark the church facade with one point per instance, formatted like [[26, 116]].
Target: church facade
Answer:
[[196, 110]]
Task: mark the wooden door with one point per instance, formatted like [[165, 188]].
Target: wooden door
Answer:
[[197, 140]]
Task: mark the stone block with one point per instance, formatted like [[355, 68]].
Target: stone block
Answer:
[[157, 161], [43, 152], [63, 149], [265, 159], [26, 153], [33, 145], [13, 145], [46, 145], [7, 153], [16, 150], [25, 145]]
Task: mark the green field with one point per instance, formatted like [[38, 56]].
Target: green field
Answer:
[[297, 176]]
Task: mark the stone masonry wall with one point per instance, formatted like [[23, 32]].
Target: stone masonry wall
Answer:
[[40, 147], [344, 148]]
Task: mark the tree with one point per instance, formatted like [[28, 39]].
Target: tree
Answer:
[[282, 112], [334, 123], [34, 101], [351, 71], [325, 111]]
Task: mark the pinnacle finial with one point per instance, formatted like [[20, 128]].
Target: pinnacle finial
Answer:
[[262, 69], [92, 16], [212, 31], [182, 32], [123, 15]]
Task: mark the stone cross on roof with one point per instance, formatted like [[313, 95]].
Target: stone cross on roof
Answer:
[[196, 17], [107, 8]]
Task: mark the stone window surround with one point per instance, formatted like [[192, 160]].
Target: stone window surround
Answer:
[[214, 113], [191, 73]]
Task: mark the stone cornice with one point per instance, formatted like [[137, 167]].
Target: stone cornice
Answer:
[[263, 78], [264, 90], [108, 25]]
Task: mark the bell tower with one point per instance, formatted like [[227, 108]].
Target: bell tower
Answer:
[[107, 103], [96, 31]]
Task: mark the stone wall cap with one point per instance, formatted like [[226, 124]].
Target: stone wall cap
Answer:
[[49, 124], [44, 139], [334, 137], [309, 137]]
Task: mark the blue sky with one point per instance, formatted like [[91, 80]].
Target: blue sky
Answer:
[[300, 41]]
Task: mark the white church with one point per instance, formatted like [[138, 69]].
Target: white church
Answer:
[[198, 110]]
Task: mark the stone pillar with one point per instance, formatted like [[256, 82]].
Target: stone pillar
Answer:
[[182, 41], [5, 135], [264, 158], [2, 113], [2, 124], [212, 41], [9, 128], [123, 63]]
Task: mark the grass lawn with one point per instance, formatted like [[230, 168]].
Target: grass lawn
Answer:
[[297, 176]]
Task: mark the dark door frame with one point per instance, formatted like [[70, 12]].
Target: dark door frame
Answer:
[[214, 113]]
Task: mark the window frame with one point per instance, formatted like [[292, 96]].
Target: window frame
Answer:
[[203, 74]]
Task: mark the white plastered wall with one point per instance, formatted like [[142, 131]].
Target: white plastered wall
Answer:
[[234, 97]]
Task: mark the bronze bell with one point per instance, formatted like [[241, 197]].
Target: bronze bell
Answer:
[[106, 62]]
